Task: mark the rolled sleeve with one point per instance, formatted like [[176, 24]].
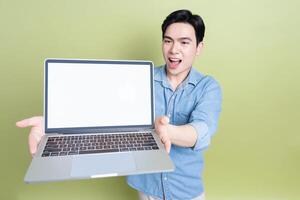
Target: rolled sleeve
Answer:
[[202, 132], [204, 118]]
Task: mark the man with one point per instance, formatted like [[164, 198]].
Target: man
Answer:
[[188, 105]]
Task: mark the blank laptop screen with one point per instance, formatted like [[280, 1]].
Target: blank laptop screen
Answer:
[[98, 94]]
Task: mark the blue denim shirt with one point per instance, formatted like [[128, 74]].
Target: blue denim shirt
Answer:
[[196, 101]]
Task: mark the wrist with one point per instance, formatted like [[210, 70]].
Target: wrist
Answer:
[[171, 132]]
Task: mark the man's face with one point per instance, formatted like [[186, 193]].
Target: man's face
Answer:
[[180, 49]]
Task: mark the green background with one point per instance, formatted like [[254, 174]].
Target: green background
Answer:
[[251, 47]]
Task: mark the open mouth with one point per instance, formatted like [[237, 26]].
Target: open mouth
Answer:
[[174, 62]]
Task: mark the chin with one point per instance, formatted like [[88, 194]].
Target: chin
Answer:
[[178, 70], [173, 68]]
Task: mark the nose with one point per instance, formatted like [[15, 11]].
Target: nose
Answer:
[[174, 48]]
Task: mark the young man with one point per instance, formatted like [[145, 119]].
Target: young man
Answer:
[[188, 105]]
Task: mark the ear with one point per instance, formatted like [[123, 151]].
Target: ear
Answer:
[[199, 48]]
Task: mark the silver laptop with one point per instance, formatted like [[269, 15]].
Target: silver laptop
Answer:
[[99, 122]]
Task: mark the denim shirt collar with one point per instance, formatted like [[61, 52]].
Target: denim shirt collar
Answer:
[[161, 76]]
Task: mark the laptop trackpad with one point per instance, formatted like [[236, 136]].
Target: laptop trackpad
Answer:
[[102, 165]]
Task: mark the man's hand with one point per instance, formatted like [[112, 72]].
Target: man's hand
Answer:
[[36, 132], [162, 129]]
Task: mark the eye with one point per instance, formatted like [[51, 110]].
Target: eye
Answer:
[[185, 42], [167, 41]]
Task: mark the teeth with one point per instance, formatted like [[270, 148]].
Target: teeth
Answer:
[[174, 60]]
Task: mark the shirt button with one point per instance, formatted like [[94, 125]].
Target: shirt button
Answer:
[[165, 178]]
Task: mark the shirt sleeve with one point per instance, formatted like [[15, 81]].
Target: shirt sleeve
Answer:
[[205, 116]]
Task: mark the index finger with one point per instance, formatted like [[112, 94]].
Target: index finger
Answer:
[[168, 146], [33, 121]]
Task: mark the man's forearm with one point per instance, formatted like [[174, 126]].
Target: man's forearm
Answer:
[[184, 135]]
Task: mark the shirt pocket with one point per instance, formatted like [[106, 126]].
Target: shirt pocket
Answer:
[[182, 117], [183, 110]]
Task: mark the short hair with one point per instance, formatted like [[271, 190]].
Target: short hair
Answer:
[[185, 16]]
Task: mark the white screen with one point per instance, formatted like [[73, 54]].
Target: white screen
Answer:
[[96, 95]]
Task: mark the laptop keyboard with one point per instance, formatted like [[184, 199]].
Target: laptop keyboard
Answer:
[[100, 143]]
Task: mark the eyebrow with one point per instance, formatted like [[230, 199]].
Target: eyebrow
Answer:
[[182, 38]]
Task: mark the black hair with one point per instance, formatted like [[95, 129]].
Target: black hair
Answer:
[[185, 16]]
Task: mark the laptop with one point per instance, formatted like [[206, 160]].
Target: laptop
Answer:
[[98, 122]]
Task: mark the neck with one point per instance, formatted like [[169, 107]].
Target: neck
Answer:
[[176, 80]]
